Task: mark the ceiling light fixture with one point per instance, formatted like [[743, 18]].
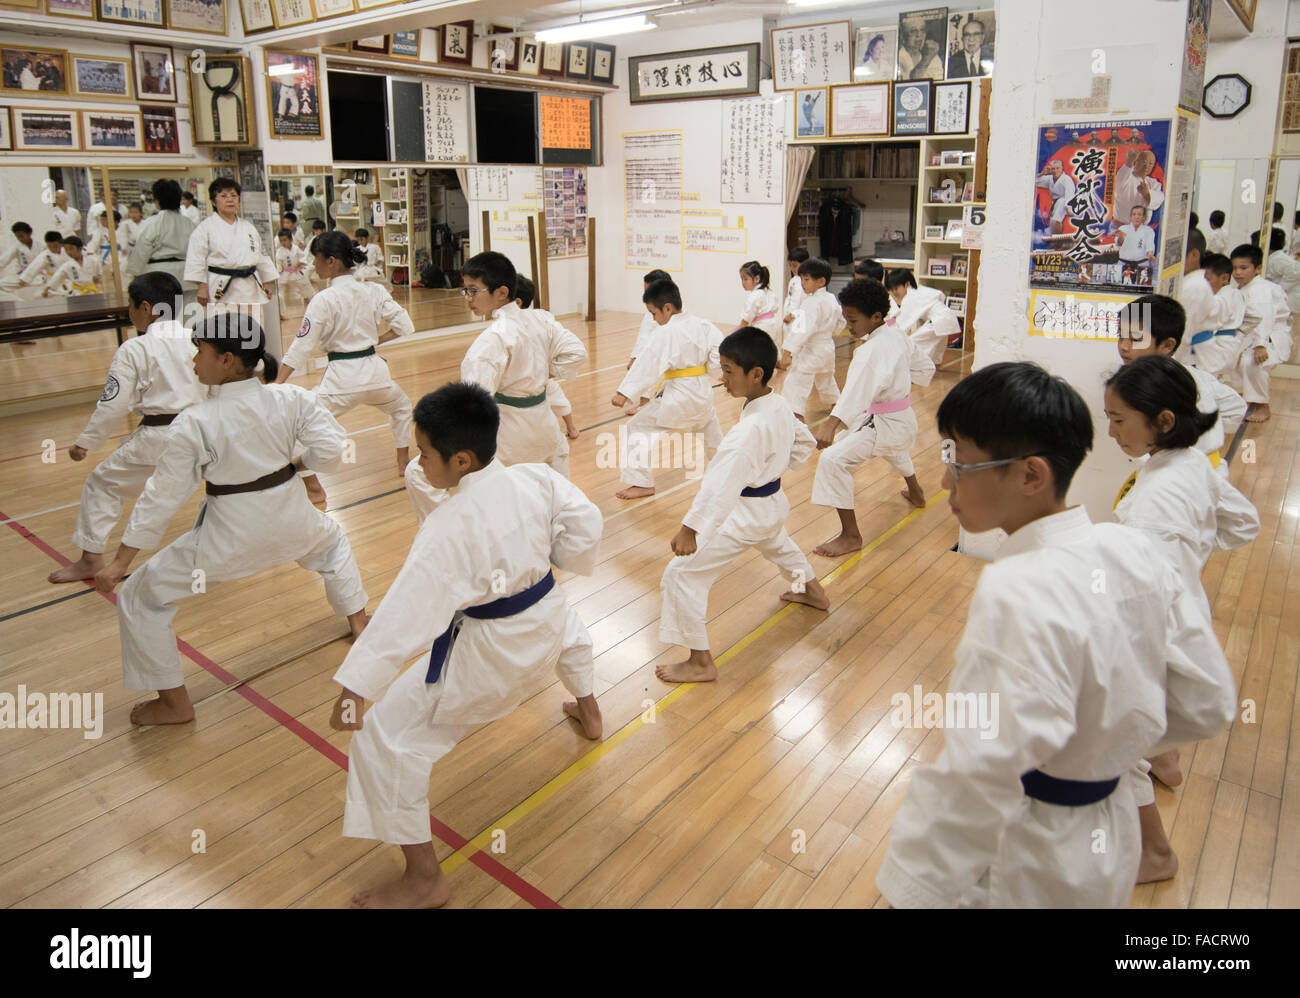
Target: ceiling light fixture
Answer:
[[595, 29]]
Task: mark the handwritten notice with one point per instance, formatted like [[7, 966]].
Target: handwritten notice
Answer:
[[709, 240], [566, 122], [489, 183], [446, 122], [652, 195], [811, 55], [753, 151], [1075, 317]]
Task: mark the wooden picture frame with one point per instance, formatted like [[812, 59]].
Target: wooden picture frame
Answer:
[[325, 9], [97, 119], [647, 74], [810, 103], [405, 45], [198, 16], [530, 56], [950, 108], [602, 63], [552, 58], [371, 45], [849, 105], [224, 89], [256, 15], [290, 12], [167, 144], [778, 74], [39, 65], [147, 61], [83, 66], [84, 9], [510, 48], [142, 13], [577, 61], [938, 266], [367, 4], [25, 117], [933, 233], [289, 119], [456, 42], [6, 129]]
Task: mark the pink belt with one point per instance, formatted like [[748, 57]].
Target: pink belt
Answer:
[[898, 405], [766, 315]]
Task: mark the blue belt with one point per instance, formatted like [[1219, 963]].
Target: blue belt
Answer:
[[1202, 336], [506, 606], [758, 491], [1066, 793]]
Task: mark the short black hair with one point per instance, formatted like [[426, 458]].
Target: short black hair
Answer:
[[873, 269], [167, 194], [525, 291], [72, 241], [1158, 316], [797, 255], [1217, 218], [1154, 384], [21, 227], [1195, 221], [1276, 240], [1020, 410], [1217, 263], [291, 216], [135, 204], [223, 184], [750, 347], [460, 416], [284, 234], [362, 233], [318, 225], [54, 236], [866, 296], [897, 278], [158, 288], [656, 275], [310, 190], [816, 268], [1248, 251], [494, 269], [662, 293], [1278, 211], [1196, 241], [186, 194]]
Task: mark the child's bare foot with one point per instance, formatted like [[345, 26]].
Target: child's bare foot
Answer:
[[914, 495], [81, 570], [699, 668], [1259, 413], [407, 891], [634, 492], [172, 707], [316, 492], [358, 621], [1164, 767], [570, 428], [839, 546], [586, 713], [1157, 866], [813, 595]]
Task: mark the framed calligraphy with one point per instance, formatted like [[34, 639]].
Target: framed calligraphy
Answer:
[[812, 55], [457, 42], [728, 71]]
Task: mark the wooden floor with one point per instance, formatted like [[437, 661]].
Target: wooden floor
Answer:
[[698, 796]]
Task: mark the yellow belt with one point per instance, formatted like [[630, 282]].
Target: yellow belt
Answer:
[[85, 289], [1215, 458], [685, 372]]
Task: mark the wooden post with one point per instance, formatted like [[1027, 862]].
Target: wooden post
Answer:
[[532, 245], [591, 269], [487, 231], [543, 276], [112, 233]]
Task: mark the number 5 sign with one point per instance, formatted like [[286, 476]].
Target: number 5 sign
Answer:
[[972, 229]]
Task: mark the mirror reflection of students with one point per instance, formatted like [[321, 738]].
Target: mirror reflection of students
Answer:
[[225, 257]]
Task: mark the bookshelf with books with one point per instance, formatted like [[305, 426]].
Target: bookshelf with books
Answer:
[[947, 186], [401, 220]]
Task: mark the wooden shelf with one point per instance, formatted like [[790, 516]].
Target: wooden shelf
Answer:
[[942, 277], [943, 204], [970, 166]]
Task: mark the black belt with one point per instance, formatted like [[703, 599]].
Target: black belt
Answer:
[[759, 491], [233, 271], [159, 419], [257, 485], [1066, 793], [351, 354], [171, 259]]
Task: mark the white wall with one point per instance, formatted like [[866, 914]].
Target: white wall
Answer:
[[1259, 59]]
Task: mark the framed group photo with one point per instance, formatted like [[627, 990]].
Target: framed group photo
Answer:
[[84, 9], [101, 76], [149, 13], [33, 71], [112, 131], [155, 72], [39, 128], [159, 131]]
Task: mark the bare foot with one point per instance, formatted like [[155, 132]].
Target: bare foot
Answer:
[[316, 492], [813, 595], [634, 492], [151, 712], [839, 546], [406, 891], [1259, 413], [358, 621], [1154, 867], [571, 430], [915, 497], [1164, 767], [687, 672], [586, 713], [81, 570]]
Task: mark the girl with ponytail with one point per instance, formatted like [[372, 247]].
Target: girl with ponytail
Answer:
[[343, 321], [761, 302], [240, 446]]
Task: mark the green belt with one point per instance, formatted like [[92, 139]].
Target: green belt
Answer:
[[527, 402], [351, 354]]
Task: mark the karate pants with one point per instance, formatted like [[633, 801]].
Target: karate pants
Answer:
[[687, 581], [1139, 778], [799, 386], [389, 399], [391, 757], [118, 477], [294, 282], [644, 441], [833, 482], [1254, 377], [424, 497], [146, 603]]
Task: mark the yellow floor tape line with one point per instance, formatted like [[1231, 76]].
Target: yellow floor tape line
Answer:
[[483, 840]]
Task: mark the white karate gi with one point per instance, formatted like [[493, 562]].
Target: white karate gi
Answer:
[[129, 233], [928, 322], [1284, 271], [1061, 189], [216, 242], [794, 298], [1128, 197], [682, 405], [291, 264], [810, 339], [343, 318], [879, 372], [556, 399], [1212, 395], [41, 268], [497, 535], [1197, 298], [68, 221], [373, 268], [764, 444], [151, 374], [14, 259], [1088, 683], [1258, 328], [244, 431], [1137, 243], [1219, 355], [1216, 241], [75, 277], [644, 334], [762, 302], [190, 211]]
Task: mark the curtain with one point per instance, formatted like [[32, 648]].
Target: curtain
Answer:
[[797, 161]]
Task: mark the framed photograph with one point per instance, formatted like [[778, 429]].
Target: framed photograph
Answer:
[[602, 63], [256, 15], [552, 58], [727, 71], [953, 229], [940, 195], [950, 157], [6, 129], [810, 113], [37, 128], [812, 55], [938, 266], [970, 44], [159, 131], [959, 266], [221, 102], [406, 45], [934, 232], [577, 61], [293, 95], [860, 109], [332, 8], [149, 13], [912, 107], [373, 44], [874, 51], [922, 43], [112, 131], [207, 16], [34, 71], [155, 72], [457, 42], [530, 56], [290, 12], [968, 192], [957, 303], [69, 8], [100, 76], [503, 53], [936, 159], [952, 110]]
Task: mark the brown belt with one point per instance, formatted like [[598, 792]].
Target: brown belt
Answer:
[[257, 485], [159, 419]]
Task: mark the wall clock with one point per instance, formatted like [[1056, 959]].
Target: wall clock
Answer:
[[1226, 96]]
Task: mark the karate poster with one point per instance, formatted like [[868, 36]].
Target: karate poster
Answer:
[[1099, 205]]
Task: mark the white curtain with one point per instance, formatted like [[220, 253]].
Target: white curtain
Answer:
[[797, 161]]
